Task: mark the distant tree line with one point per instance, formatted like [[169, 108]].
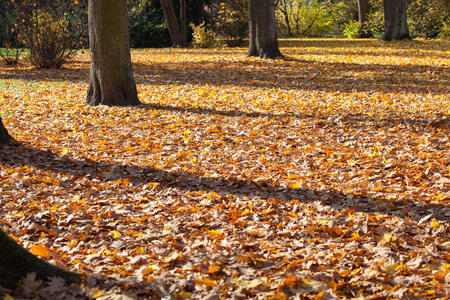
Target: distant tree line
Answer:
[[155, 23]]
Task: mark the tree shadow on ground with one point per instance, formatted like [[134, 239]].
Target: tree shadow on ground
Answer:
[[20, 155], [287, 74], [352, 120], [296, 74], [357, 43]]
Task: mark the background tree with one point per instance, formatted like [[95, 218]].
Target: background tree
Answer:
[[4, 135], [177, 31], [395, 24], [363, 14], [111, 79], [285, 8], [263, 40]]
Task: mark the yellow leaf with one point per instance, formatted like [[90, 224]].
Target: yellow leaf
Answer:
[[98, 294], [435, 224], [294, 185], [355, 236], [8, 297], [116, 234], [64, 151], [40, 250], [208, 282], [215, 233]]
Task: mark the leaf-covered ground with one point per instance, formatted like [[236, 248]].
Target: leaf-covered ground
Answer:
[[323, 175]]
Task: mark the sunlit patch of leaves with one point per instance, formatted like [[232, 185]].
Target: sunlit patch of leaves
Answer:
[[324, 174]]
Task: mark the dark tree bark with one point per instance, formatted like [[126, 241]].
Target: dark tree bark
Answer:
[[395, 24], [111, 75], [178, 33], [252, 29], [363, 11], [183, 23], [4, 135], [16, 263], [262, 29]]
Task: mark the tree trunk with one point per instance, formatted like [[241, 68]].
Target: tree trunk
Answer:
[[4, 135], [263, 35], [111, 79], [183, 23], [177, 33], [395, 24], [252, 29], [16, 263], [363, 11]]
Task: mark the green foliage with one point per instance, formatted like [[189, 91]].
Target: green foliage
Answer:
[[10, 55], [231, 21], [427, 18], [342, 12], [445, 30], [351, 29], [312, 19], [203, 37], [146, 25], [306, 18]]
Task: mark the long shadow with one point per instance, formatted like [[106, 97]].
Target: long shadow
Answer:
[[297, 74], [20, 155], [353, 120], [353, 43], [340, 52]]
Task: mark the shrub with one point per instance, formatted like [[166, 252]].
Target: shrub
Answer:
[[47, 38], [146, 25], [231, 21], [351, 29], [203, 37], [445, 30], [426, 18], [312, 19]]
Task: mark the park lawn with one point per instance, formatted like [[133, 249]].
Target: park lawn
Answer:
[[322, 174]]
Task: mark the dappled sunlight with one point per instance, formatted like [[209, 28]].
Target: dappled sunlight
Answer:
[[326, 168]]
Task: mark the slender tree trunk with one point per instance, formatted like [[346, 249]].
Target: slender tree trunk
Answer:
[[177, 33], [4, 135], [252, 29], [363, 11], [395, 24], [183, 23], [16, 263], [262, 18], [111, 79]]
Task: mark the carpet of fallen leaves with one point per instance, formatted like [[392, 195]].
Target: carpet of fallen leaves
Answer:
[[323, 175]]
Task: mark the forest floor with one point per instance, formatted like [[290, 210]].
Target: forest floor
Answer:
[[322, 175]]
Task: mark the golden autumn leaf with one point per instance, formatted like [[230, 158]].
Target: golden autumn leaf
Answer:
[[213, 269], [116, 234], [41, 250]]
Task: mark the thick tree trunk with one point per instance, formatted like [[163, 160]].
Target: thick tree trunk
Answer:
[[363, 10], [395, 24], [4, 135], [16, 263], [111, 76], [263, 34], [177, 33]]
